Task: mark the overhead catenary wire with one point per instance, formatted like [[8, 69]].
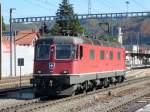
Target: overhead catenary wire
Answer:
[[113, 6], [46, 2], [41, 6], [140, 5], [106, 4], [91, 9]]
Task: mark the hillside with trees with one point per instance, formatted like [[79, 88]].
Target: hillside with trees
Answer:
[[145, 27], [134, 29], [130, 28]]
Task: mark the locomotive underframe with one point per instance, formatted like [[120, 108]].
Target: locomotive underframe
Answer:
[[47, 84]]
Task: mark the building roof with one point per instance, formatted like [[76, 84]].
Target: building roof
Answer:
[[26, 37]]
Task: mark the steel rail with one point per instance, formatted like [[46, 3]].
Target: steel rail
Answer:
[[122, 104], [13, 86], [14, 79], [37, 104], [133, 105]]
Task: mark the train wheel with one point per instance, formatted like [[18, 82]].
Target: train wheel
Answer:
[[120, 79], [85, 87], [112, 81], [100, 86], [94, 85], [106, 82]]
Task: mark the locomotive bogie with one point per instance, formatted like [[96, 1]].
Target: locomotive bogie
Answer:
[[67, 84]]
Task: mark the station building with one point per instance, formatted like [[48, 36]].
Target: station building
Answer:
[[24, 41]]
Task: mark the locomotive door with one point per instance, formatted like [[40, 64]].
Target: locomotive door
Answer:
[[82, 65]]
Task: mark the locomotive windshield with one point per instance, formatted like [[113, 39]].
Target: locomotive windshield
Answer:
[[42, 51], [63, 51]]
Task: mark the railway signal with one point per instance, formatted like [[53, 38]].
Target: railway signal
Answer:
[[20, 63]]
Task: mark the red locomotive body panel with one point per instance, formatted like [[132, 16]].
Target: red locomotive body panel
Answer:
[[96, 65], [84, 65], [68, 61]]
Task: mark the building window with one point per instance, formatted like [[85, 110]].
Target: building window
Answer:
[[111, 55], [119, 55], [91, 54], [102, 55]]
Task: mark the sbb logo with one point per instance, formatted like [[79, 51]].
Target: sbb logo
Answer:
[[51, 65]]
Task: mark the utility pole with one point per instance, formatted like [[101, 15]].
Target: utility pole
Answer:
[[14, 42], [138, 37], [89, 6], [127, 3], [0, 42], [10, 27]]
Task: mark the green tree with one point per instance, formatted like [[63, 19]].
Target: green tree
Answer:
[[3, 25], [66, 23]]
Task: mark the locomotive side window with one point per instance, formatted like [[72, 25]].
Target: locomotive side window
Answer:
[[76, 50], [119, 55], [102, 55], [91, 54], [81, 52], [42, 51], [63, 51], [111, 55]]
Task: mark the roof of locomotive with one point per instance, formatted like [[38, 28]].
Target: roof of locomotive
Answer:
[[76, 40]]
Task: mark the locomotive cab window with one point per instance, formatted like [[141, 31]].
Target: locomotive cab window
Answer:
[[111, 55], [63, 51], [91, 54], [42, 51]]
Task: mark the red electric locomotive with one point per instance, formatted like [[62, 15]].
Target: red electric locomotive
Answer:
[[64, 65]]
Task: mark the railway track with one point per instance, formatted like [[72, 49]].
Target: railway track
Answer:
[[14, 82], [36, 104], [124, 102], [14, 79], [133, 105], [8, 83]]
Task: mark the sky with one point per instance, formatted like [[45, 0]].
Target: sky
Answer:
[[32, 8]]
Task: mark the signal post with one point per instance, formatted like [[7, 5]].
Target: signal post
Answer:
[[0, 42]]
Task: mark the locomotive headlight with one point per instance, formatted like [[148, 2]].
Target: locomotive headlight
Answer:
[[65, 72], [39, 71]]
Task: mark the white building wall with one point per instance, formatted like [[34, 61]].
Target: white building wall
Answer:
[[26, 52]]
